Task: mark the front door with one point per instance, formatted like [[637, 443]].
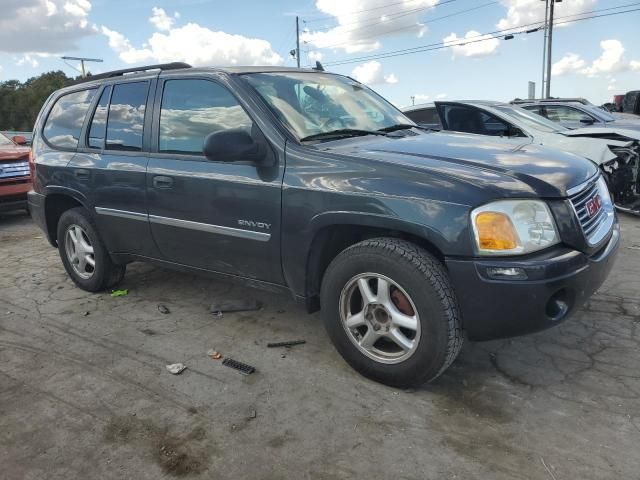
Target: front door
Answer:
[[209, 214]]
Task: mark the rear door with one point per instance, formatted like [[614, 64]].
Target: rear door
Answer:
[[214, 215], [113, 165]]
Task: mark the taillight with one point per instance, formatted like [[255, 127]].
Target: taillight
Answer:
[[32, 165]]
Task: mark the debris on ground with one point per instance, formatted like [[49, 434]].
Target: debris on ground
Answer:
[[289, 343], [214, 355], [230, 306], [86, 314], [119, 293], [217, 314], [241, 367], [176, 368], [163, 309], [253, 414]]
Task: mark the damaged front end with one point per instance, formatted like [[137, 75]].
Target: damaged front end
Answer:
[[623, 177]]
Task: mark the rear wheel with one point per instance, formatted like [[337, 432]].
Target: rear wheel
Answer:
[[391, 312], [83, 254]]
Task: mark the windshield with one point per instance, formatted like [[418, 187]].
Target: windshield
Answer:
[[599, 113], [530, 120], [315, 103], [4, 141]]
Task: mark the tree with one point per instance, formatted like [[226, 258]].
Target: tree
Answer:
[[20, 103]]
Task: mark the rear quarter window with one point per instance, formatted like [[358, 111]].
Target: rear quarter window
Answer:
[[63, 125]]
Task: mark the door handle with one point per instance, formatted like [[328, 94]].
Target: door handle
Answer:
[[162, 182], [82, 174]]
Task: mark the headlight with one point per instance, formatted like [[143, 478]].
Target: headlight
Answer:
[[513, 227]]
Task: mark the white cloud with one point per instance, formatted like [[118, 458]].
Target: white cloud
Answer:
[[612, 85], [440, 96], [570, 63], [313, 56], [472, 45], [28, 60], [611, 59], [370, 73], [160, 19], [361, 23], [193, 44], [52, 26], [525, 12], [421, 98]]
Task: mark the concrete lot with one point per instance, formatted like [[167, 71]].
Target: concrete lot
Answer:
[[88, 396]]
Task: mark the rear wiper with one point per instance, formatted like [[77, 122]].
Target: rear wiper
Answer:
[[343, 132]]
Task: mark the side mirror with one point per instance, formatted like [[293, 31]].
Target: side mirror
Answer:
[[587, 121], [233, 146], [19, 139]]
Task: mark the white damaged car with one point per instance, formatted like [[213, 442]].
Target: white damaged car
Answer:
[[616, 151]]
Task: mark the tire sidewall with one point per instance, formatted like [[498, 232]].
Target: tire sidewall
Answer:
[[78, 216], [429, 357]]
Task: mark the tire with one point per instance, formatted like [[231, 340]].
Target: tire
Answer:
[[104, 273], [424, 290]]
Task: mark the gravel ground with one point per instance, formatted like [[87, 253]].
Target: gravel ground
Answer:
[[84, 392]]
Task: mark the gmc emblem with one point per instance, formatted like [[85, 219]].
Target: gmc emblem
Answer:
[[593, 205]]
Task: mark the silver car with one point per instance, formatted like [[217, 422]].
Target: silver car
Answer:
[[615, 150]]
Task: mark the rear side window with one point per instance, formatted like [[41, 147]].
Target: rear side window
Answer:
[[65, 120], [125, 121], [192, 109], [98, 126]]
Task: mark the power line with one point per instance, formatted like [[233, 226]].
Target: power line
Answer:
[[330, 17], [389, 17], [413, 25], [480, 38]]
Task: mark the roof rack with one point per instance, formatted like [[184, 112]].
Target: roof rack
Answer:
[[143, 68], [583, 101]]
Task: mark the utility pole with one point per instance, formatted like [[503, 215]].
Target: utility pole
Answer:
[[413, 100], [549, 48], [544, 47], [82, 60], [298, 41]]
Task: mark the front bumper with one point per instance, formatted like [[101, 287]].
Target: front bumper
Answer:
[[13, 195], [558, 282]]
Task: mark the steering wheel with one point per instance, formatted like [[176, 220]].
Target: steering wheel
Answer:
[[327, 125]]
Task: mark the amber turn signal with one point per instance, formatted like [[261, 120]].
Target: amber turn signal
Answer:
[[495, 231]]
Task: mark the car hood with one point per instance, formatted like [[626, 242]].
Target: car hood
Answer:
[[511, 167], [11, 152], [594, 143]]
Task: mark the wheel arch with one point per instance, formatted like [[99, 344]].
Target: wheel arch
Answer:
[[57, 201], [333, 232]]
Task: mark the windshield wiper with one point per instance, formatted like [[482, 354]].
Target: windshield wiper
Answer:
[[398, 126], [343, 132]]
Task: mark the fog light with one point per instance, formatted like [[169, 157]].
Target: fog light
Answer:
[[506, 273]]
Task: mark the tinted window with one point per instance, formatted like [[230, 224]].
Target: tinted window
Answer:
[[472, 120], [427, 116], [193, 109], [66, 118], [126, 116], [99, 121]]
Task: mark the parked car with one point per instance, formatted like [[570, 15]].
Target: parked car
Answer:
[[26, 135], [15, 175], [577, 115], [631, 102], [310, 183], [616, 151]]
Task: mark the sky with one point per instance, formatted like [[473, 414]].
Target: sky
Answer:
[[593, 58]]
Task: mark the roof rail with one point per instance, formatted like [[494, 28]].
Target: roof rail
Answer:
[[143, 68], [584, 101]]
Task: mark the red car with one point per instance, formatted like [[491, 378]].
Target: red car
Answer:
[[15, 173]]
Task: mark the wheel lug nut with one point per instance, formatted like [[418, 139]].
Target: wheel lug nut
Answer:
[[368, 316], [376, 327]]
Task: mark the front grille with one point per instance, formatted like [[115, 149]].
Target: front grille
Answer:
[[14, 169], [591, 226]]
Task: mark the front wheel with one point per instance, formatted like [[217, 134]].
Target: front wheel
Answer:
[[390, 311]]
